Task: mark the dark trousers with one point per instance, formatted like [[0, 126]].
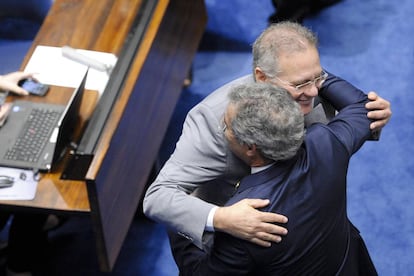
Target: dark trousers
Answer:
[[358, 262], [27, 241], [4, 217]]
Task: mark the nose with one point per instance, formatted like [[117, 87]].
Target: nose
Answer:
[[312, 91]]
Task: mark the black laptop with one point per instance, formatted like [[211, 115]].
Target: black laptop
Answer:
[[36, 135]]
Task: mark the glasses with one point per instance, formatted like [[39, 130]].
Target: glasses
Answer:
[[318, 81], [223, 126]]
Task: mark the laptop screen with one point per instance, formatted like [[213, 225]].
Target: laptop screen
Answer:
[[66, 125]]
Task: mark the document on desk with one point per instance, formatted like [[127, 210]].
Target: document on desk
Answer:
[[23, 186], [52, 67]]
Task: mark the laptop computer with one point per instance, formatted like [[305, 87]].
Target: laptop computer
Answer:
[[36, 135]]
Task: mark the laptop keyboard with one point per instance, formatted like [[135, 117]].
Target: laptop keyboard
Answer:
[[34, 135]]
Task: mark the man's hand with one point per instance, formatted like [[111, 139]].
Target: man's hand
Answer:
[[243, 221], [10, 82], [380, 111]]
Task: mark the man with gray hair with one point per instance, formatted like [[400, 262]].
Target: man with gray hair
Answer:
[[306, 182], [261, 118], [200, 175]]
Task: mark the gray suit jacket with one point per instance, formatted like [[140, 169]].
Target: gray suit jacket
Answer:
[[202, 165]]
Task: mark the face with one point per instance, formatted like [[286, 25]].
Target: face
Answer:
[[296, 69], [239, 150]]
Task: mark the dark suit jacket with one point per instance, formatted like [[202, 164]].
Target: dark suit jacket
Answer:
[[310, 190]]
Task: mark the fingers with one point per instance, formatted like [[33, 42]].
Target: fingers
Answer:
[[15, 77], [376, 102], [379, 114], [271, 232], [14, 88], [242, 220], [256, 203], [19, 91], [380, 117], [379, 111], [265, 239], [266, 216], [26, 75], [19, 75], [372, 95], [268, 219], [10, 82], [261, 242], [272, 217], [377, 125], [267, 232]]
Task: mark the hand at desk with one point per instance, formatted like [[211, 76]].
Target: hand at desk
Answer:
[[10, 82]]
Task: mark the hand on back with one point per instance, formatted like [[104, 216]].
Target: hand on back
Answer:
[[244, 221]]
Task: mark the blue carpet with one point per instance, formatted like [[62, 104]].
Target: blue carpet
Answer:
[[371, 44]]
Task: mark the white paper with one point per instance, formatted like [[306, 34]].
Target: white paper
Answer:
[[23, 188], [51, 67]]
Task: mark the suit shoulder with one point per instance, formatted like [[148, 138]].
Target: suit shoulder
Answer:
[[217, 101]]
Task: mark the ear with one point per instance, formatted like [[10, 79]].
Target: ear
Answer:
[[254, 156], [259, 75], [252, 150]]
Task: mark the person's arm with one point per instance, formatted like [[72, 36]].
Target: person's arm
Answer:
[[10, 82], [379, 108], [340, 93], [243, 220], [379, 111], [201, 155], [351, 124]]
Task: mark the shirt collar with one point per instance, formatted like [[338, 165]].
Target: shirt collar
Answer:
[[261, 168]]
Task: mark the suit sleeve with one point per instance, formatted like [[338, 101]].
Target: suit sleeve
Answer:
[[200, 156], [325, 108], [335, 91], [351, 124], [340, 93]]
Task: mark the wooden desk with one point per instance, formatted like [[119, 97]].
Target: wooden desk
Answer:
[[128, 146]]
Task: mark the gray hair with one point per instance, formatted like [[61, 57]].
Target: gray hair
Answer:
[[268, 117], [277, 39]]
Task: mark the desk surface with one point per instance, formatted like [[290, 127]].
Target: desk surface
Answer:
[[93, 25], [117, 176], [53, 193]]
